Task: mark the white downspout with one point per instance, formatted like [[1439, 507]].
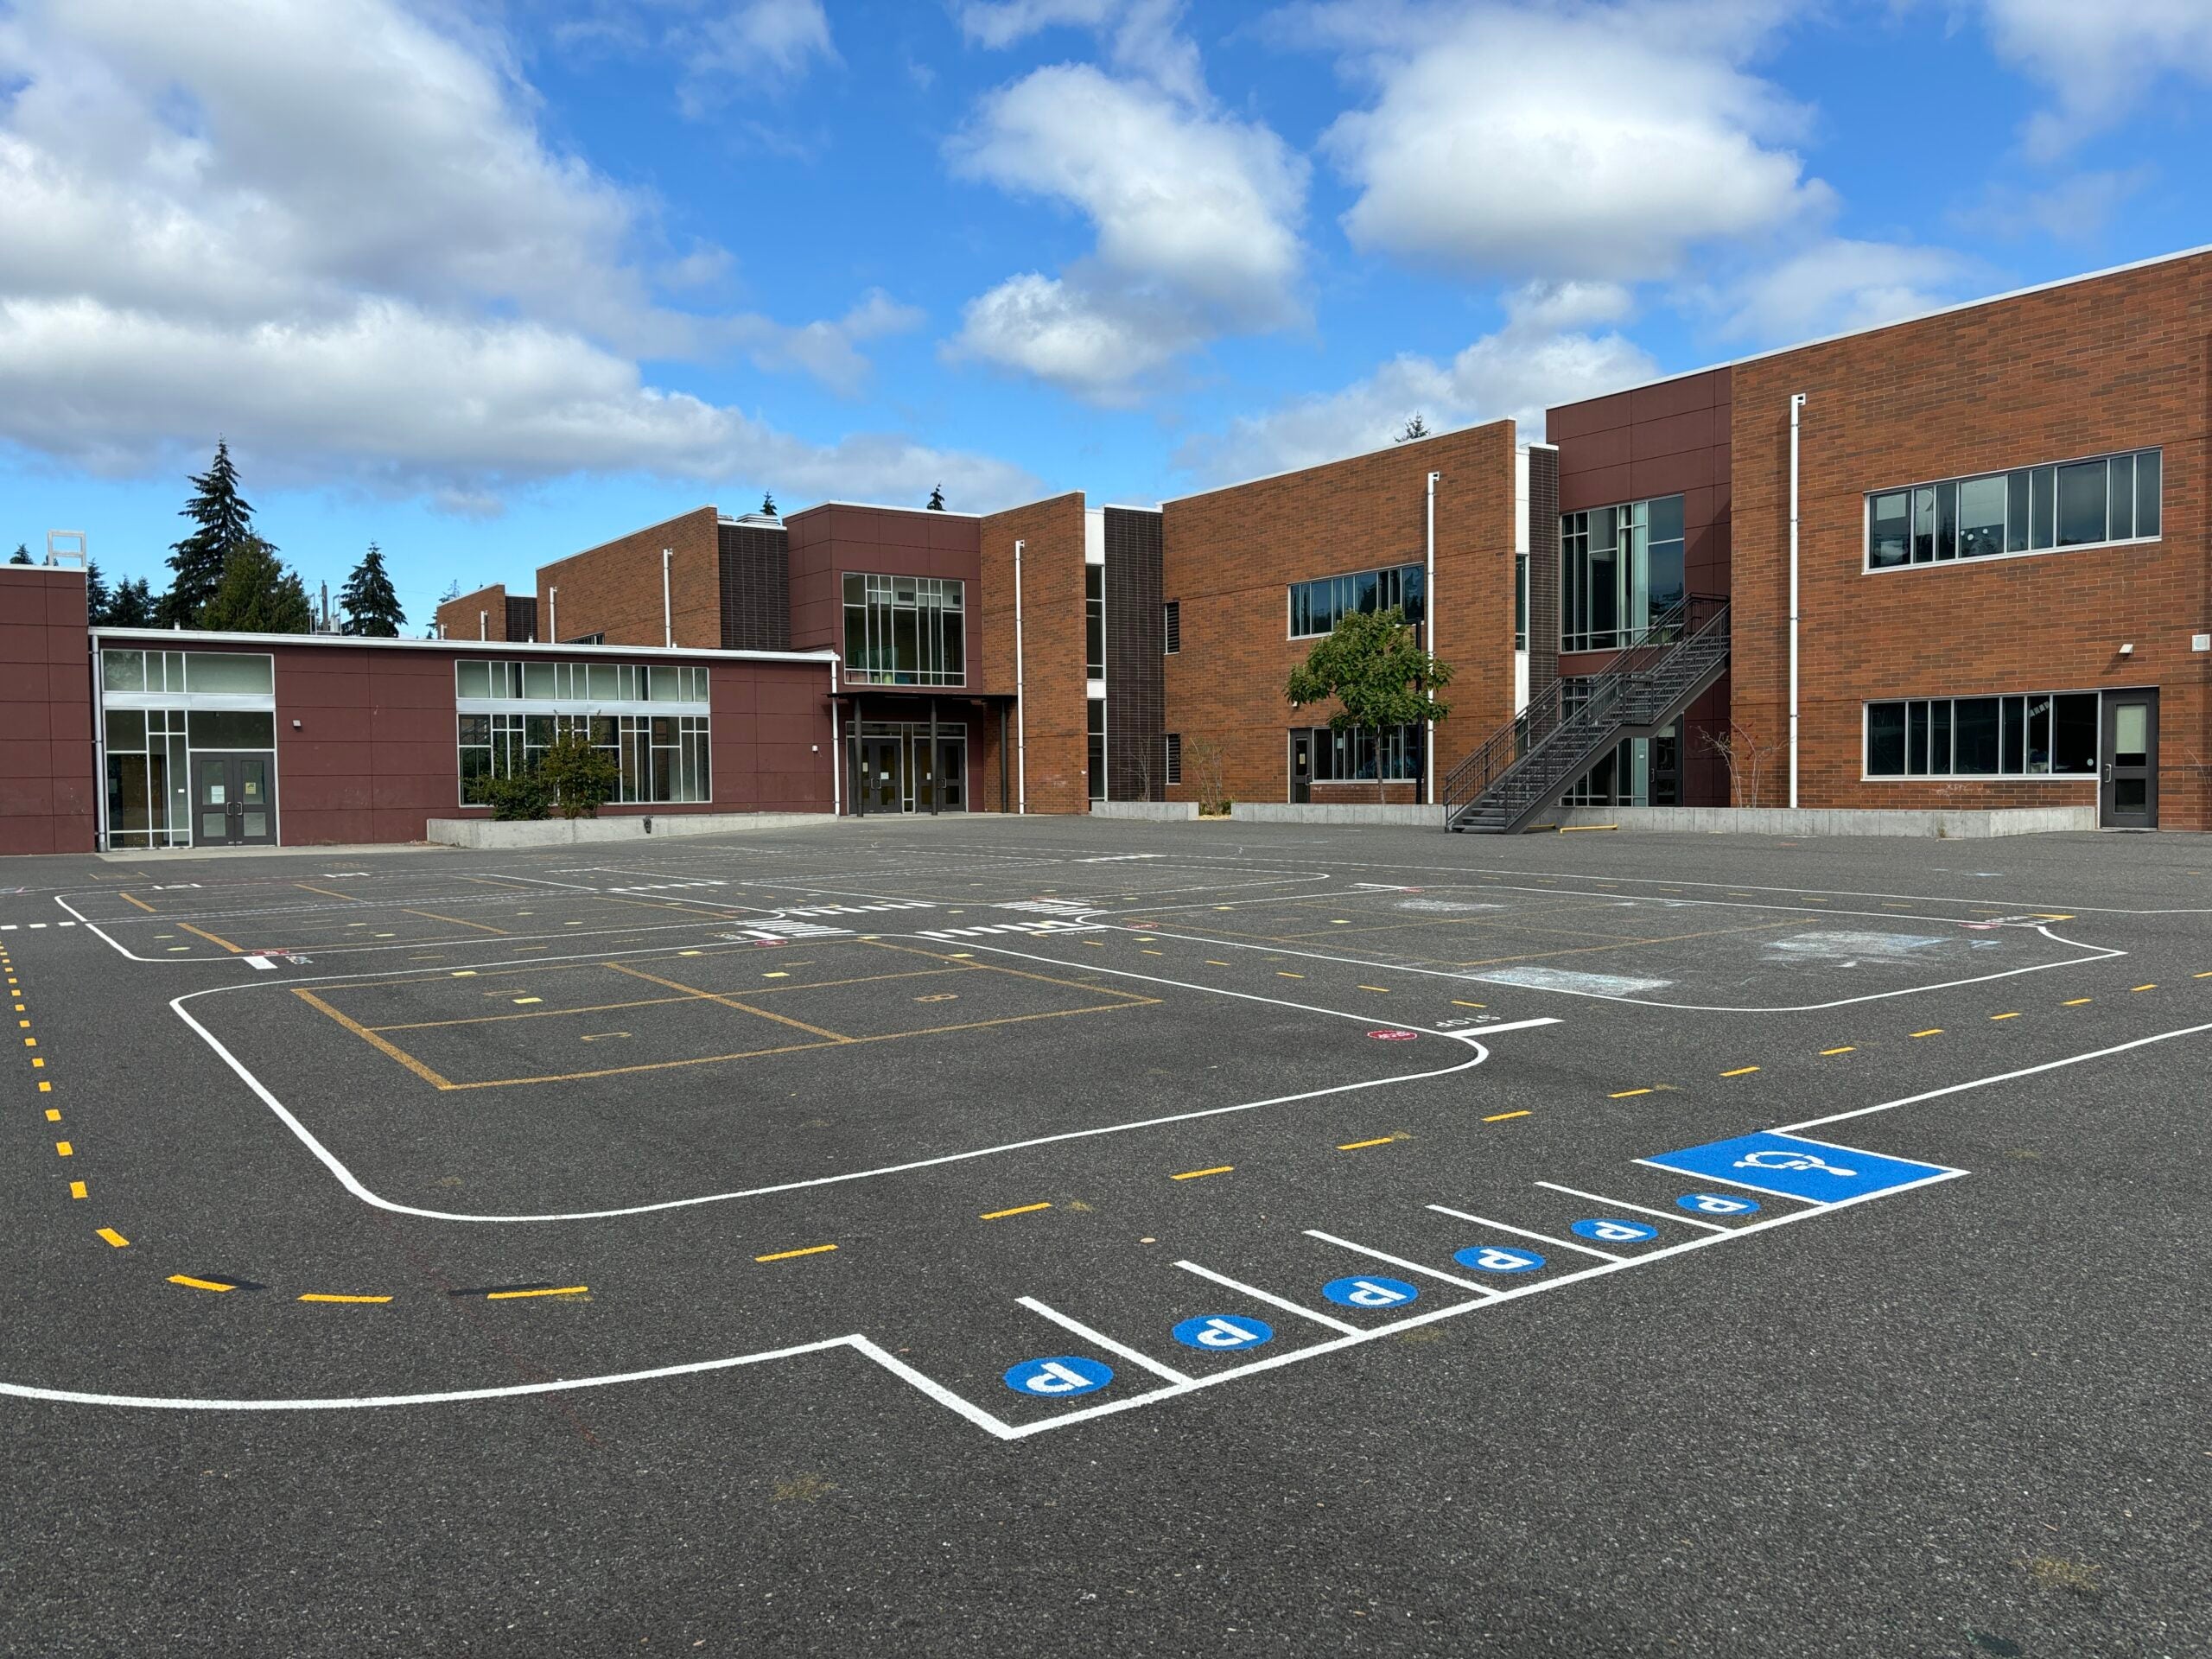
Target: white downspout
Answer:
[[483, 624], [667, 615], [553, 616], [1021, 710], [1428, 642], [836, 750], [1796, 402]]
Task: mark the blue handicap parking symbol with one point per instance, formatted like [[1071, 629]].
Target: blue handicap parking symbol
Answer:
[[1495, 1258], [1370, 1293], [1797, 1168], [1059, 1379], [1615, 1232], [1713, 1203], [1223, 1332]]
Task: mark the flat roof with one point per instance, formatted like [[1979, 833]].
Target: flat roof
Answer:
[[1900, 322], [881, 507], [185, 638], [1339, 460]]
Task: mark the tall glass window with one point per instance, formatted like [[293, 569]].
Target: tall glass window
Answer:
[[1356, 757], [906, 629], [157, 708], [1315, 606], [1097, 730], [1619, 567], [2089, 503], [1094, 620]]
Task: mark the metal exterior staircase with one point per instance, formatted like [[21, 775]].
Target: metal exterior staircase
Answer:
[[1526, 765]]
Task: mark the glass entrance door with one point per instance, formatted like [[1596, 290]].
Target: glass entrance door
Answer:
[[883, 785], [2127, 791], [1302, 766], [234, 803]]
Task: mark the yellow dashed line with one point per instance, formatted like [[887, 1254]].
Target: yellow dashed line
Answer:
[[1630, 1094], [1193, 1174], [53, 1116], [2147, 987], [190, 1283], [1354, 1145], [1210, 962], [77, 1190], [1740, 1071], [1017, 1209], [1932, 1030], [2005, 1016], [2206, 974], [1458, 1004], [1502, 1117], [63, 1149], [313, 1296], [786, 1256], [2077, 1002], [1280, 974], [516, 1295], [1848, 1048], [114, 1237]]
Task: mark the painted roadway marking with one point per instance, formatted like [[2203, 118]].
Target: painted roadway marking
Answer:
[[1224, 1333], [1793, 1166]]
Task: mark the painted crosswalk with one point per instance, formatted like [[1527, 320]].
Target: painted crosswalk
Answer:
[[1051, 906], [1031, 929], [668, 886], [855, 910]]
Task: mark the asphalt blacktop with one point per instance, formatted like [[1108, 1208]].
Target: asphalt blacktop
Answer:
[[983, 1236]]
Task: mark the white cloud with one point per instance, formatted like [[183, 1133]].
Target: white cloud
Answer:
[[1195, 213], [2076, 208], [1593, 142], [750, 45], [1527, 365], [2104, 62], [335, 234], [1144, 37], [1837, 286]]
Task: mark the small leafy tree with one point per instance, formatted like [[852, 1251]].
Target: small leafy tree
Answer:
[[257, 595], [1415, 427], [578, 779], [1372, 668], [1207, 770], [372, 607], [225, 524], [937, 500]]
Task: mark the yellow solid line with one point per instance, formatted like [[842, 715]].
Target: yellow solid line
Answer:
[[1847, 1049], [1502, 1117], [1932, 1030], [314, 1297], [516, 1295], [1458, 1004], [1210, 962], [1740, 1071], [113, 1237], [1280, 974], [786, 1256], [141, 903], [374, 1041], [1193, 1174], [77, 1190], [190, 1283], [1627, 1094], [2005, 1016], [1017, 1209], [1375, 988], [212, 938], [2077, 1002], [1354, 1145], [2147, 988], [2206, 974], [1571, 829]]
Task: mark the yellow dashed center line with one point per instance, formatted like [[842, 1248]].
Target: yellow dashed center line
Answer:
[[1848, 1048], [1630, 1094], [1210, 962], [77, 1190], [1502, 1117], [1458, 1004], [2147, 987], [786, 1256], [1193, 1174], [1932, 1030], [1385, 988], [63, 1149], [516, 1295], [114, 1237], [1354, 1145], [2077, 1002], [1740, 1071], [313, 1296], [190, 1283], [2005, 1016], [1280, 974], [1017, 1209]]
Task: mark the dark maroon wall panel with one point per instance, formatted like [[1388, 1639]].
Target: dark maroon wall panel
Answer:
[[48, 797]]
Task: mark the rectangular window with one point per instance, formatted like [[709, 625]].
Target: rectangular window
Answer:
[[2035, 734], [2092, 503], [1097, 734], [1171, 628], [1619, 569], [1355, 757], [1520, 601], [1173, 742], [1316, 605], [1094, 620], [904, 630]]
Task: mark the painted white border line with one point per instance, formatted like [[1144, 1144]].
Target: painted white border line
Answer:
[[1133, 1355], [1641, 1209], [1269, 1298], [1541, 1238], [1422, 1268]]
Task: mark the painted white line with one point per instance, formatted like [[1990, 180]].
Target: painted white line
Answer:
[[1101, 1339], [1749, 1186], [1641, 1209], [1541, 1238], [353, 1183], [1269, 1297], [2001, 1076], [1515, 1025], [261, 963], [1422, 1268]]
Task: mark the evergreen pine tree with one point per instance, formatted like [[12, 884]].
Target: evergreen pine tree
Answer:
[[22, 554], [768, 504], [372, 607], [1415, 427], [132, 605], [937, 500], [98, 600], [225, 524], [257, 595]]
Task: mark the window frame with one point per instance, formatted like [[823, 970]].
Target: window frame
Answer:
[[1941, 727], [1412, 570], [2039, 500]]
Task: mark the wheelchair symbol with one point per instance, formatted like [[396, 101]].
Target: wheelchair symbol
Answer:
[[1792, 1160]]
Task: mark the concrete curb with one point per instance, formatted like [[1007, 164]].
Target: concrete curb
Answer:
[[1958, 825], [1285, 812], [484, 835], [1147, 811]]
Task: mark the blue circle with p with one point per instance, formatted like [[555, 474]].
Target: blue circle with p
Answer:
[[1611, 1230], [1062, 1377], [1496, 1258], [1372, 1292], [1717, 1204], [1224, 1333]]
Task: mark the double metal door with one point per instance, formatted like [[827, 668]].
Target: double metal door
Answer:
[[233, 802]]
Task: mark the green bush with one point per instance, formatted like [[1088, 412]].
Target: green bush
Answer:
[[512, 797], [578, 779]]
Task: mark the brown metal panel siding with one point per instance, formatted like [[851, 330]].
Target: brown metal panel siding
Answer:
[[522, 617], [1543, 569], [1134, 693], [756, 587]]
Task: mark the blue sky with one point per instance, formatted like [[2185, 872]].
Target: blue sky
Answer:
[[489, 282]]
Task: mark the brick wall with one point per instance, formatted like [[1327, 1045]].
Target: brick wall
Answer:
[[1056, 740], [480, 615], [2116, 363], [615, 588], [48, 795], [1231, 555]]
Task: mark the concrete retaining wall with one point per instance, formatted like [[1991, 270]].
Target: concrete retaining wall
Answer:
[[484, 835], [1833, 821], [1147, 811], [1285, 812]]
